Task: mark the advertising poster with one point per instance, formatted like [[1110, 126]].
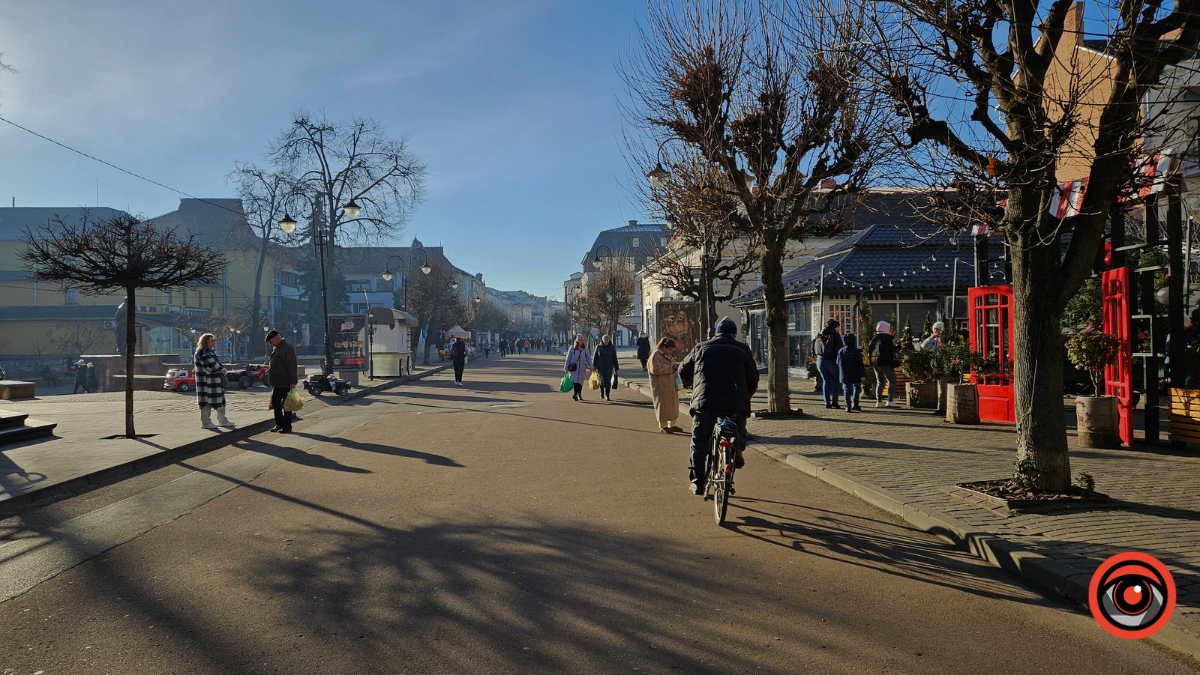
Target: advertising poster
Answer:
[[348, 338], [679, 321]]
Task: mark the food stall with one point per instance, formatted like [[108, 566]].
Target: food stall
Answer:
[[391, 342]]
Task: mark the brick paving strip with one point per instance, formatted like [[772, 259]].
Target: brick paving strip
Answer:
[[907, 462], [79, 456]]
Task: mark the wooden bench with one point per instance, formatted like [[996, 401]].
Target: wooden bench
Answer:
[[10, 389]]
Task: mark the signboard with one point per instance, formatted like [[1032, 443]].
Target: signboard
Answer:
[[348, 341], [679, 321]]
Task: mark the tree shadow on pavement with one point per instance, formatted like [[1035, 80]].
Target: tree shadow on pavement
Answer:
[[856, 542], [395, 451]]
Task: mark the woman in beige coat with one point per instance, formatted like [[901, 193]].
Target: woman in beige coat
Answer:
[[662, 386]]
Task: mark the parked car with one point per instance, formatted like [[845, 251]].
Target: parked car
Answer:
[[180, 379], [247, 376]]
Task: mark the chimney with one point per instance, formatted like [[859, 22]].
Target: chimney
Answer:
[[1073, 25], [632, 223]]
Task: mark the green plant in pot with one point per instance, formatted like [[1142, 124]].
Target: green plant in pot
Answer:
[[919, 366], [1096, 416]]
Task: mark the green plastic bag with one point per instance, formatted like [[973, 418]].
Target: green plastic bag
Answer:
[[567, 383], [292, 402]]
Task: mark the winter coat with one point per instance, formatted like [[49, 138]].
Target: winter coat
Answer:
[[723, 376], [828, 346], [850, 365], [606, 360], [210, 379], [643, 347], [92, 382], [582, 359], [662, 387], [883, 350], [283, 366], [81, 375], [458, 353]]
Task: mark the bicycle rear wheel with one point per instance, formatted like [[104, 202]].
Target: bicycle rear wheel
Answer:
[[721, 482]]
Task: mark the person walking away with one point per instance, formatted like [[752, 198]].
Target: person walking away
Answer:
[[578, 360], [458, 354], [606, 365], [883, 361], [826, 349], [851, 371], [934, 341], [663, 368], [723, 377], [283, 378], [643, 349], [526, 345], [93, 384], [80, 376], [49, 377], [210, 383]]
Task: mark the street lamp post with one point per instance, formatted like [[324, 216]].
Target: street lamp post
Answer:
[[387, 270], [320, 240]]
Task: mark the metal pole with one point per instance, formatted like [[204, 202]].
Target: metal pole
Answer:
[[1175, 299], [954, 300], [1187, 268], [321, 243], [821, 304]]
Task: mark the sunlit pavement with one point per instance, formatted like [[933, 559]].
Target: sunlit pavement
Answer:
[[503, 527]]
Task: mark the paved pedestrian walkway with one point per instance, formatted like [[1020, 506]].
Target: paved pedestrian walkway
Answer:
[[85, 446], [916, 458]]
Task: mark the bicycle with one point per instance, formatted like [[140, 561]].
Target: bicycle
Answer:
[[720, 466]]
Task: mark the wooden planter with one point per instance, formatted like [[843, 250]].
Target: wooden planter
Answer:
[[1184, 424], [1097, 420], [962, 404], [922, 395]]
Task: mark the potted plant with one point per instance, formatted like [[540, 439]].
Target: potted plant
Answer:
[[923, 389], [962, 398], [1096, 416]]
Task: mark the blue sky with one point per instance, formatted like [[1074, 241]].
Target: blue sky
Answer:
[[513, 107]]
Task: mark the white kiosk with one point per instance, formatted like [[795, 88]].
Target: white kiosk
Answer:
[[391, 344]]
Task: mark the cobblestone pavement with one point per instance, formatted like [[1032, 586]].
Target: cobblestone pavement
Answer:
[[919, 457]]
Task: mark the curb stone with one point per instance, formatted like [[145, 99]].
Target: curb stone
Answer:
[[164, 457], [1038, 569]]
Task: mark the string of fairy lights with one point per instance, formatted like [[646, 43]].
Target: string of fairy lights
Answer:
[[896, 279]]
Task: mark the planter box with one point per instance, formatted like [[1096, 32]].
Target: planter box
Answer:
[[922, 395], [1184, 423], [962, 404], [1097, 420]]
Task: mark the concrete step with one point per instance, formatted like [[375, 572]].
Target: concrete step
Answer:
[[29, 430], [10, 419]]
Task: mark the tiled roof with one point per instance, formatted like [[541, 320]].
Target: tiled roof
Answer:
[[886, 258]]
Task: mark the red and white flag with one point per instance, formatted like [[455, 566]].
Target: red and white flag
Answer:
[[1067, 198]]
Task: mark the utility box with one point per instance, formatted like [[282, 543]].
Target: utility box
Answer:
[[391, 342]]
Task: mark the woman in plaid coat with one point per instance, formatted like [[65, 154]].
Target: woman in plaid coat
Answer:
[[210, 384]]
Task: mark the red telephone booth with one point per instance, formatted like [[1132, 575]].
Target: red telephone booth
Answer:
[[991, 326], [1118, 377]]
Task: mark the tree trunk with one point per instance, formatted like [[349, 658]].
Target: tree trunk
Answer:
[[771, 264], [252, 346], [1043, 462], [130, 349]]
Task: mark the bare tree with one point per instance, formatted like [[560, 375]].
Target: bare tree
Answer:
[[1027, 107], [121, 253], [76, 337], [435, 303], [610, 293], [712, 240], [771, 94], [265, 195], [351, 162], [583, 313]]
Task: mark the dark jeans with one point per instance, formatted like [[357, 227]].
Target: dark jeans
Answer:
[[702, 430], [283, 419], [644, 362], [829, 380], [458, 368], [78, 385], [578, 389]]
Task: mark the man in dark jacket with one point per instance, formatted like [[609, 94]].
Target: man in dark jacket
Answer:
[[283, 378], [643, 349], [458, 354], [723, 376]]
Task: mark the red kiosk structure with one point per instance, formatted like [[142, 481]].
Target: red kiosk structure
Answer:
[[990, 322]]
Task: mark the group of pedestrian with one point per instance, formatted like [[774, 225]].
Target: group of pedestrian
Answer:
[[841, 368], [85, 377]]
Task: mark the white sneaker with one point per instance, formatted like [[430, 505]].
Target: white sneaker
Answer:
[[892, 404], [878, 404]]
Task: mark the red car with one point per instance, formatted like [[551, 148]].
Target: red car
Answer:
[[247, 377], [180, 379]]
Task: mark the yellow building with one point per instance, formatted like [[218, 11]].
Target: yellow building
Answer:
[[44, 323]]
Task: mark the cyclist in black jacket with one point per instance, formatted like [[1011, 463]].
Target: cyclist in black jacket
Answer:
[[723, 376]]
